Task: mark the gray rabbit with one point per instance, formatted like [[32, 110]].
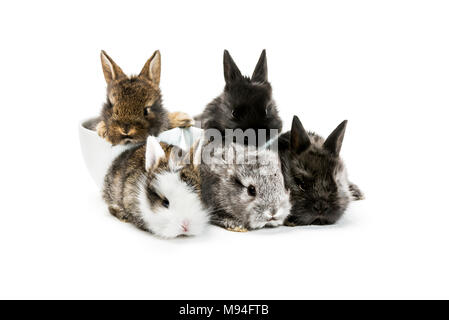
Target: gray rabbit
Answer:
[[244, 188]]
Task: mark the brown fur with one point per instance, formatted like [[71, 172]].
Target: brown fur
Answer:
[[190, 172], [180, 119], [133, 109]]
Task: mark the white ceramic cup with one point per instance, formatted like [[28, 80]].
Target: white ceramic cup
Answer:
[[99, 154]]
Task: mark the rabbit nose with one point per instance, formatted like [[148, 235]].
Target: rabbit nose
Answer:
[[185, 226], [320, 207], [271, 215], [125, 129]]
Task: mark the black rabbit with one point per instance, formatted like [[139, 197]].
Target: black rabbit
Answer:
[[315, 175], [246, 103]]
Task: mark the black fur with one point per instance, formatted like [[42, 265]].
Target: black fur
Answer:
[[315, 176], [246, 103]]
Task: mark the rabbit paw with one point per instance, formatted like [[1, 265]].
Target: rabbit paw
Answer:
[[101, 129], [237, 229], [180, 120], [356, 193], [119, 213]]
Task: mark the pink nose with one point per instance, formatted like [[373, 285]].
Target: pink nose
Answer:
[[185, 226]]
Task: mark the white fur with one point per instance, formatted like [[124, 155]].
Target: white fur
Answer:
[[185, 208], [282, 213], [153, 153], [341, 178], [257, 222], [198, 147]]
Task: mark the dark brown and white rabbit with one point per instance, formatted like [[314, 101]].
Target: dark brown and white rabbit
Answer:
[[246, 103], [150, 188], [244, 188], [315, 175], [133, 109]]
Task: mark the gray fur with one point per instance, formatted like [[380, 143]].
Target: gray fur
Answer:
[[122, 185]]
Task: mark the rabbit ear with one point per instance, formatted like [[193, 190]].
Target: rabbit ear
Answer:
[[176, 158], [231, 71], [299, 139], [153, 154], [152, 68], [335, 140], [260, 73], [197, 150], [110, 69]]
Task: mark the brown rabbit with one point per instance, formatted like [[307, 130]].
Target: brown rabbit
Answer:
[[133, 109]]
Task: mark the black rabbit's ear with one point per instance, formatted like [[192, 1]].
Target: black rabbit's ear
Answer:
[[231, 71], [335, 140], [260, 73], [299, 139]]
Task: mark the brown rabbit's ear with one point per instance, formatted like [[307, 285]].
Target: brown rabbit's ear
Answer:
[[335, 140], [110, 69], [152, 68], [299, 139]]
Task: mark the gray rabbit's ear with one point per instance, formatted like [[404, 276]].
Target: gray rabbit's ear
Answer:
[[260, 73], [299, 139], [335, 140], [152, 68], [111, 70], [231, 71], [153, 153]]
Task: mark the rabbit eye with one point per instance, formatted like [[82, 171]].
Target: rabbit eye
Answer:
[[252, 191], [146, 111], [165, 203], [238, 182], [300, 183]]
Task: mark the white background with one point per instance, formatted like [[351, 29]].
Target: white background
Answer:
[[383, 65]]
